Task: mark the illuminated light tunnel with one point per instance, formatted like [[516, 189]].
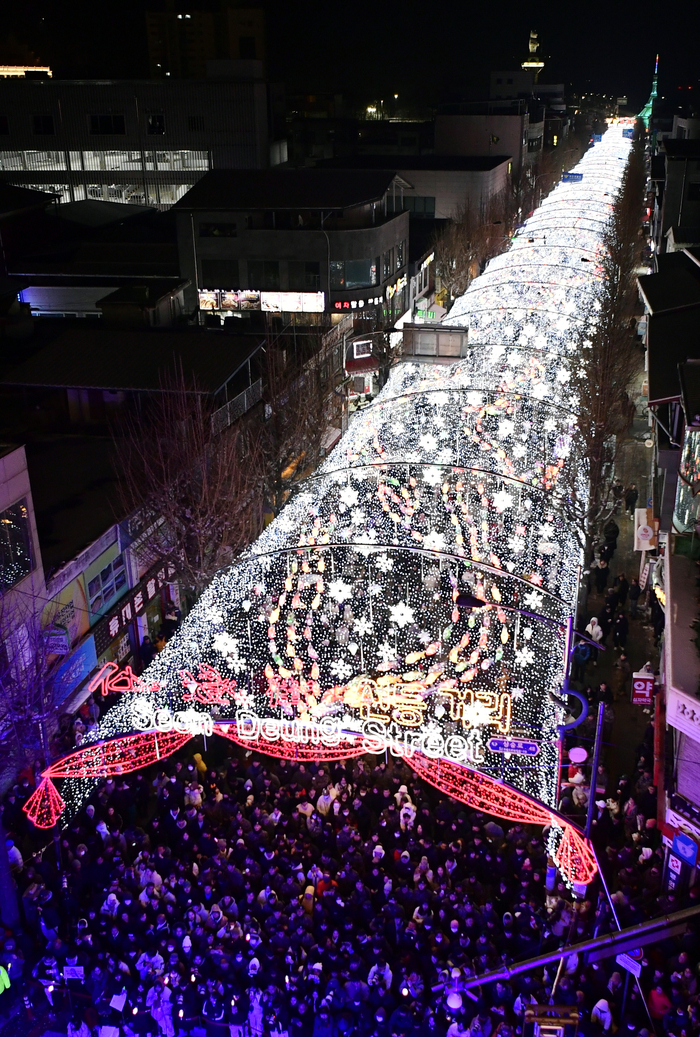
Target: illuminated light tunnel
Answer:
[[338, 631]]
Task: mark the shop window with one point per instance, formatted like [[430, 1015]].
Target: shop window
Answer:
[[420, 205], [218, 230], [220, 273], [358, 384], [106, 125], [388, 264], [400, 254], [42, 125], [264, 275], [15, 545], [304, 277], [107, 584], [155, 124], [355, 273]]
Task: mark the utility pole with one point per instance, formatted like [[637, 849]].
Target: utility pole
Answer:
[[594, 772]]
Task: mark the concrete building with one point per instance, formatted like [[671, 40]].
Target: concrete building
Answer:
[[182, 40], [144, 142], [437, 186], [294, 241], [677, 205], [485, 128]]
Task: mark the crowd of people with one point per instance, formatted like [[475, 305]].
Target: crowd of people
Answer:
[[263, 898]]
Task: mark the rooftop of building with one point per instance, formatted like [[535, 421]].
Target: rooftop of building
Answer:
[[144, 294], [135, 361], [14, 200], [452, 163], [673, 338], [295, 189], [675, 286]]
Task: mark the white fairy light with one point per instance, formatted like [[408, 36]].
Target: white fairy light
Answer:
[[445, 481]]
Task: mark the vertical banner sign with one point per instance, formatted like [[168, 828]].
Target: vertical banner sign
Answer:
[[642, 689], [644, 530]]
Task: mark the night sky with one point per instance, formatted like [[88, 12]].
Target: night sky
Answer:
[[425, 52]]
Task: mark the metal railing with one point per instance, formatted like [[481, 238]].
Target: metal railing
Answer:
[[236, 408]]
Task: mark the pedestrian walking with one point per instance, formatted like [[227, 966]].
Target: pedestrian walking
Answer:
[[607, 618], [602, 575], [618, 490], [622, 671], [634, 592], [580, 659], [622, 587], [631, 498], [595, 632], [147, 651], [620, 631]]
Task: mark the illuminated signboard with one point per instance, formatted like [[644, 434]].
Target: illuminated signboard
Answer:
[[394, 289], [272, 302]]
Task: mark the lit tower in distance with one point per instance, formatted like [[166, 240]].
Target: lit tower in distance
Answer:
[[646, 112], [532, 63]]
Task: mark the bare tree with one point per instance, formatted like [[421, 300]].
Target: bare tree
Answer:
[[607, 357], [472, 237], [198, 494], [302, 403]]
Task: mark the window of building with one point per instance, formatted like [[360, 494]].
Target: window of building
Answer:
[[400, 254], [218, 230], [354, 273], [420, 205], [155, 124], [15, 545], [388, 264], [694, 191], [4, 126], [195, 123], [304, 277], [263, 275], [534, 144], [107, 584], [246, 47], [362, 349], [42, 125], [220, 273], [105, 125]]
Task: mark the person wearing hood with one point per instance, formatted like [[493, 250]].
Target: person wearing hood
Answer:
[[595, 632], [602, 1015]]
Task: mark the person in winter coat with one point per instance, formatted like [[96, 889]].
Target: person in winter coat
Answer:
[[602, 575], [620, 630], [602, 1015], [634, 593], [158, 1003], [659, 1003], [631, 498], [595, 632]]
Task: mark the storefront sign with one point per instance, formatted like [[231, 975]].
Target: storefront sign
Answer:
[[642, 689], [110, 680], [685, 848], [571, 178], [236, 300], [644, 529], [394, 289], [57, 641], [74, 670], [130, 607]]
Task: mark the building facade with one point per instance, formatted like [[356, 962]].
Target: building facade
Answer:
[[294, 241], [145, 142]]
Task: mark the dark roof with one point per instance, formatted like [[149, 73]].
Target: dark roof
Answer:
[[672, 289], [672, 338], [96, 358], [103, 259], [14, 200], [285, 189], [681, 148], [404, 163], [144, 294], [689, 377], [93, 213]]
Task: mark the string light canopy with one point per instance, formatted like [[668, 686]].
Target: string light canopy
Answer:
[[344, 616]]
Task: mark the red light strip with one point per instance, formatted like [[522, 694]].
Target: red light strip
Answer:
[[573, 856]]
